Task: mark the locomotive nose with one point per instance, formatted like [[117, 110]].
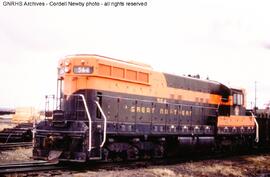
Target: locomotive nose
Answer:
[[61, 143]]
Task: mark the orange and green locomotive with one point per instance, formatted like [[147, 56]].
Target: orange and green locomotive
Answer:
[[109, 108]]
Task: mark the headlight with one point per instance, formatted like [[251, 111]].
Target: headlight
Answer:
[[67, 62]]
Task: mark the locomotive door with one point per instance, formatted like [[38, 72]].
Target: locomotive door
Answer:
[[143, 117], [111, 108], [159, 114], [172, 119], [126, 115], [185, 119]]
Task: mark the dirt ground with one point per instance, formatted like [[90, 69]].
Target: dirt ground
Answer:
[[241, 166], [18, 155], [237, 166]]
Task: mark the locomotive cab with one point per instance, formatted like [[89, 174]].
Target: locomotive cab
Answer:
[[237, 123]]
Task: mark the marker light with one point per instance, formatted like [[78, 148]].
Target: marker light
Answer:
[[67, 70], [67, 62]]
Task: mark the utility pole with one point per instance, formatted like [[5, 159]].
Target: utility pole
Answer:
[[255, 103]]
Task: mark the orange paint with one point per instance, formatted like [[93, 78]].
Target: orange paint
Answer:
[[235, 121], [127, 77]]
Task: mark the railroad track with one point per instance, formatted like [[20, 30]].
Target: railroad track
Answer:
[[166, 161], [30, 166], [33, 166], [9, 146]]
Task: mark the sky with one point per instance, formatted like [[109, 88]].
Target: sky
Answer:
[[227, 41]]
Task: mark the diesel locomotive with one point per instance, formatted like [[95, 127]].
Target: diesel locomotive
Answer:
[[109, 109]]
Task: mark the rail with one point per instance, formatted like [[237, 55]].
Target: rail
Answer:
[[9, 146], [257, 127], [89, 119], [28, 167], [105, 124]]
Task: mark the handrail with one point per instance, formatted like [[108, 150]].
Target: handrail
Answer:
[[89, 119], [105, 124], [257, 127]]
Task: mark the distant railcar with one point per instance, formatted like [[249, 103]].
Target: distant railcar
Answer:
[[25, 115], [22, 119], [109, 108]]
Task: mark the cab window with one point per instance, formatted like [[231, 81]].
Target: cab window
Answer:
[[237, 99]]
